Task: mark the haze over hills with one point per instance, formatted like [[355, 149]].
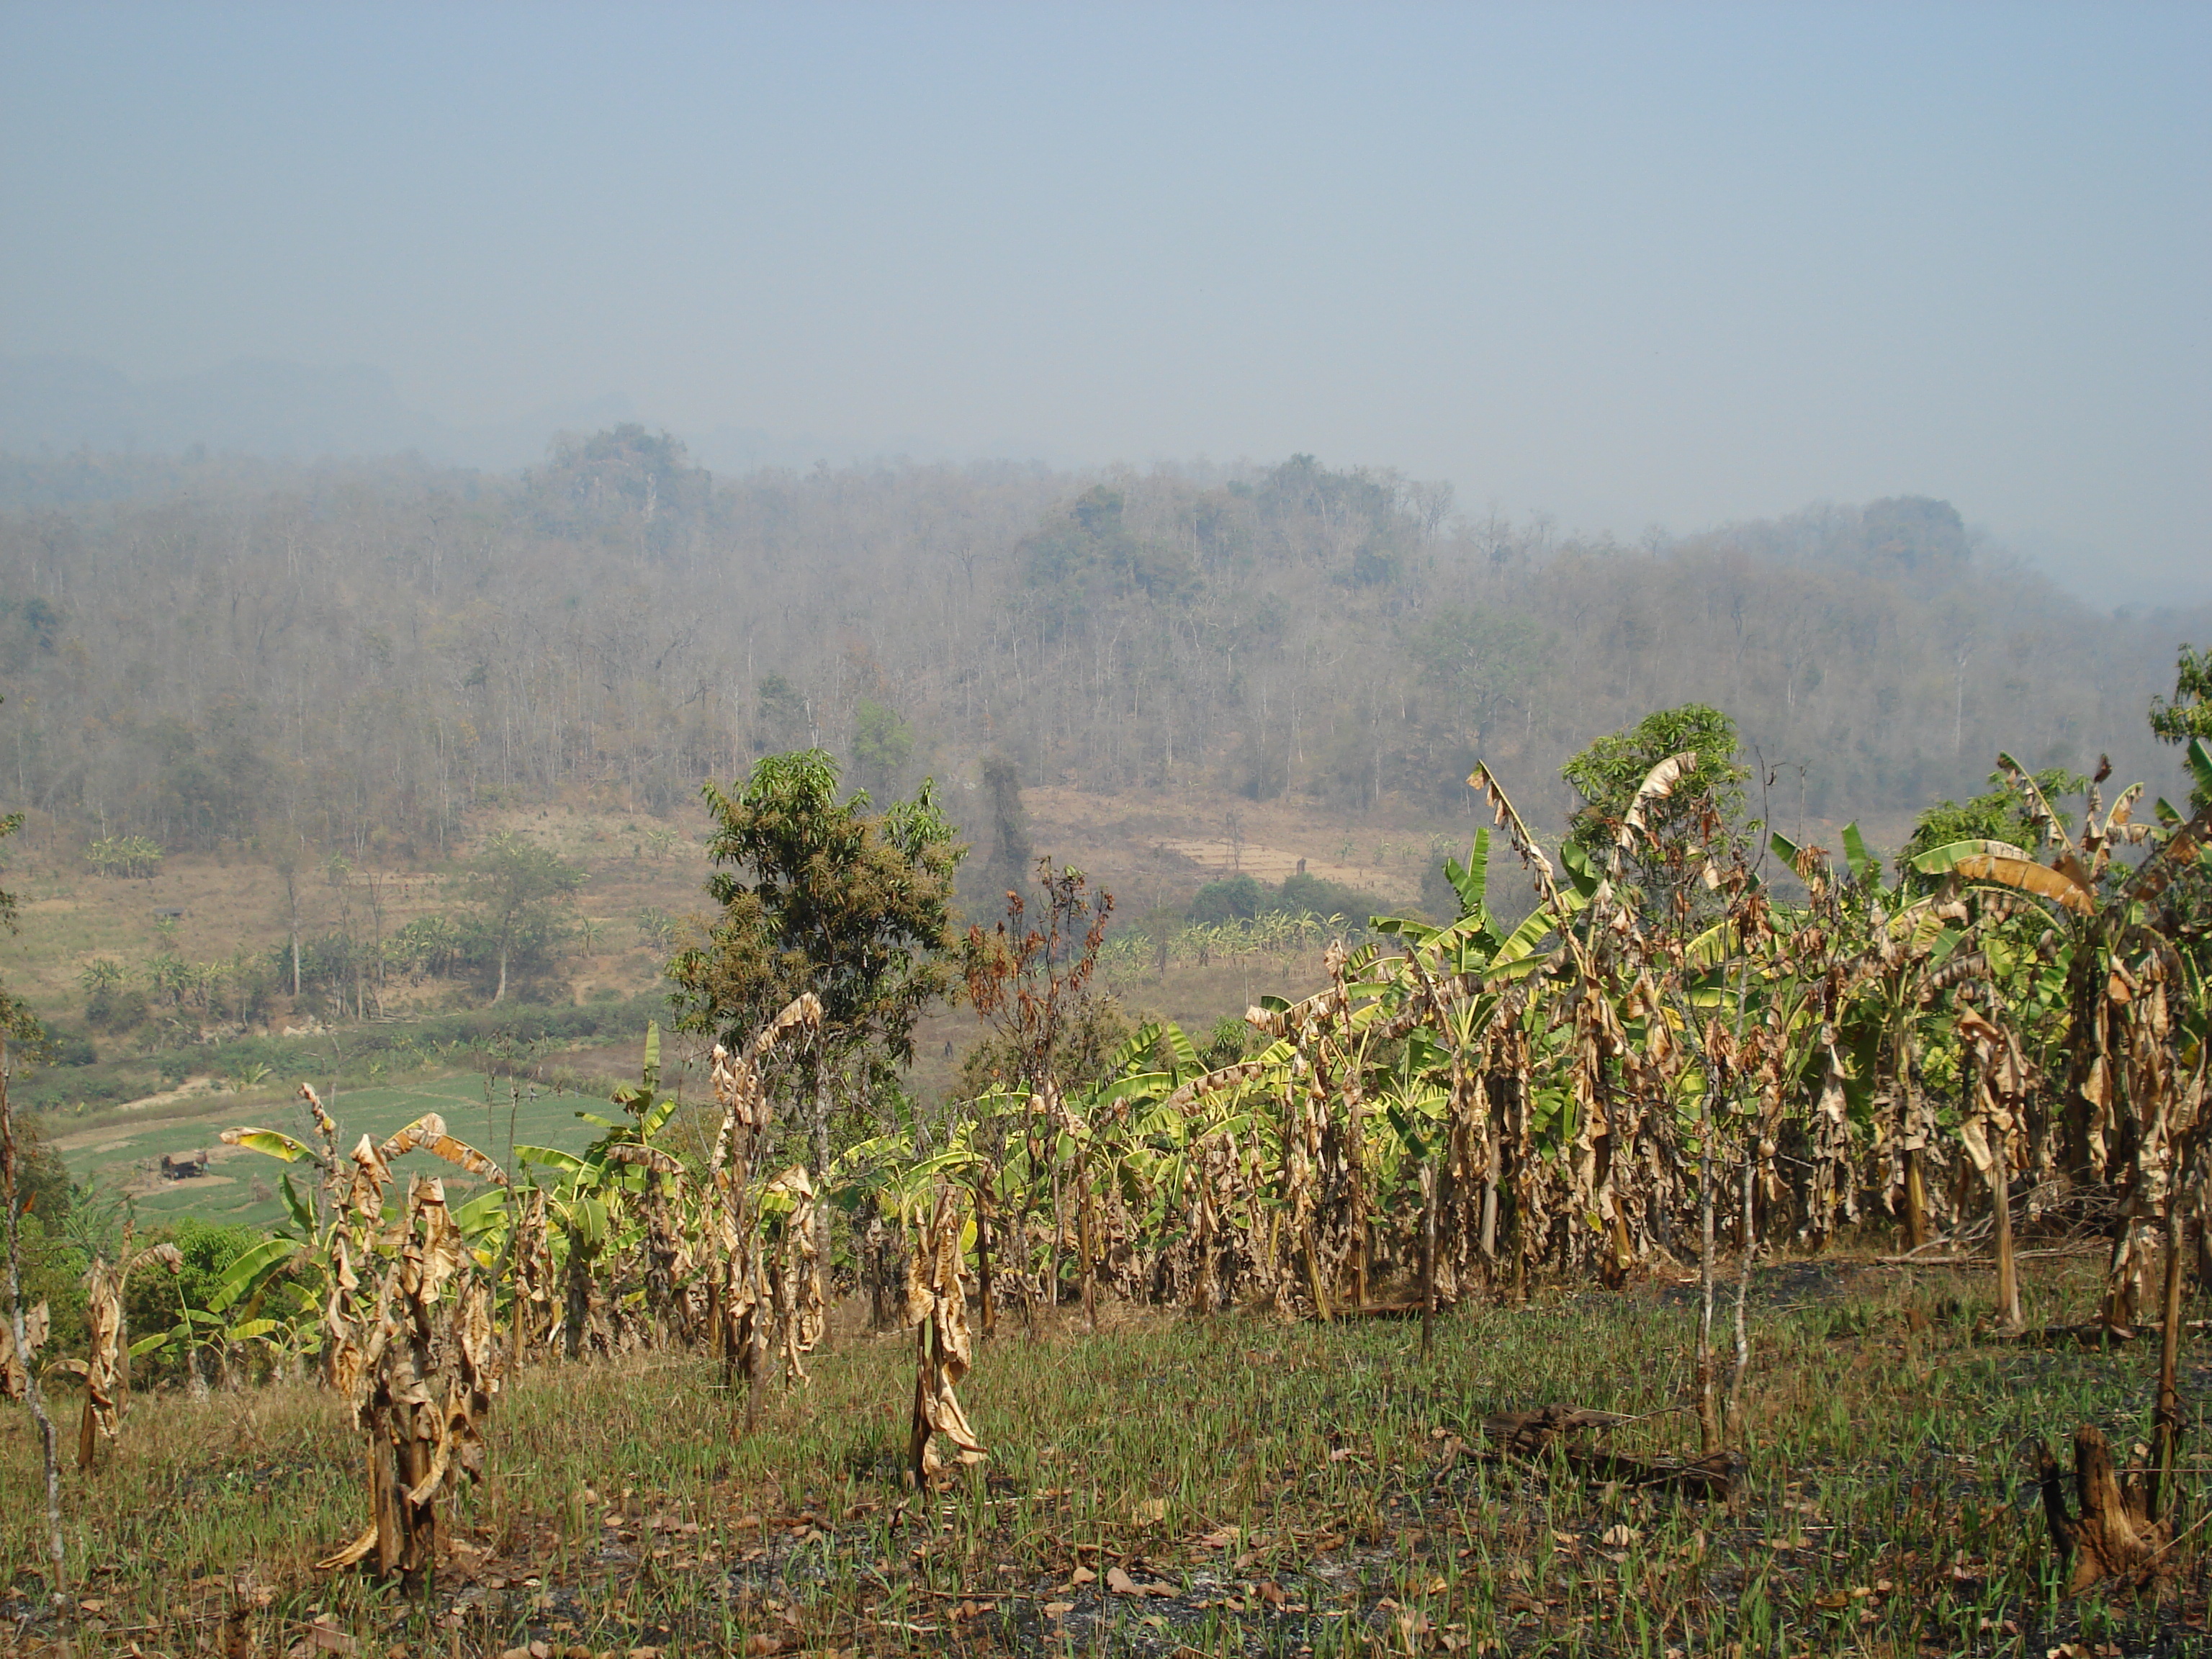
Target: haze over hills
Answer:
[[216, 651], [268, 408], [465, 470], [261, 407]]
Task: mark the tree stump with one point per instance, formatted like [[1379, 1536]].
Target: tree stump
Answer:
[[2114, 1534]]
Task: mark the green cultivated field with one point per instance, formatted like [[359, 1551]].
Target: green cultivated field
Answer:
[[122, 1151]]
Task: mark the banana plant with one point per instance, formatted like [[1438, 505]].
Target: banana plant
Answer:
[[620, 1192], [282, 1292], [2094, 916], [2120, 977]]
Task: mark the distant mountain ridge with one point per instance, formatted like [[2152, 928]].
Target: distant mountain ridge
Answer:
[[272, 409], [257, 406]]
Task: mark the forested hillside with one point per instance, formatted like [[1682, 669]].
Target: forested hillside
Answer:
[[201, 651]]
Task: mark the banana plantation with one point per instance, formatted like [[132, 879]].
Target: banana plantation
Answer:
[[1693, 1052], [2007, 1039]]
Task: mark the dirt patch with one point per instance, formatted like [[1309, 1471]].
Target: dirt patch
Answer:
[[1155, 848], [1274, 864], [100, 1138]]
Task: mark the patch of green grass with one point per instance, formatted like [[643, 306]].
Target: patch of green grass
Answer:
[[119, 1150]]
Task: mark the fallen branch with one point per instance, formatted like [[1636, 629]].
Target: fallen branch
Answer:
[[1378, 1311], [1712, 1476], [1528, 1433], [1911, 1260], [1534, 1433]]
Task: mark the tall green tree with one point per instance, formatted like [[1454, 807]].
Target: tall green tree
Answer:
[[1486, 662], [518, 887], [1708, 800], [829, 895], [20, 1187], [782, 719], [2189, 713]]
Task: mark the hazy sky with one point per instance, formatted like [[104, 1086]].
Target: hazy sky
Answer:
[[1627, 265]]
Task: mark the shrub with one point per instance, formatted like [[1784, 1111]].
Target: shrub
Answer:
[[1233, 898], [1310, 895], [70, 1048], [115, 1010]]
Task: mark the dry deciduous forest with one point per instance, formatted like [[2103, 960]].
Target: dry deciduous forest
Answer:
[[224, 649]]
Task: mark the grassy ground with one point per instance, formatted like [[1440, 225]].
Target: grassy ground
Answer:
[[1267, 1489]]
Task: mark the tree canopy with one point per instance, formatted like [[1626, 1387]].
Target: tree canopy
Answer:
[[2189, 714], [824, 894], [1607, 775], [2000, 813], [517, 886]]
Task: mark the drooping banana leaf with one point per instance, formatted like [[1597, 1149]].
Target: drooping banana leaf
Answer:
[[551, 1158], [245, 1275], [1998, 865], [272, 1142]]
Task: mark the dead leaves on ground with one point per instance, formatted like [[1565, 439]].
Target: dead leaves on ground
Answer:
[[1119, 1583]]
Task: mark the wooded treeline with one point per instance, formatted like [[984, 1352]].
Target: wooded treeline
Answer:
[[203, 649]]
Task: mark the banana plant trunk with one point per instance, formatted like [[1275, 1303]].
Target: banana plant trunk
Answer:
[[1709, 1422], [817, 1129], [2008, 1309], [1429, 1189], [989, 1306], [1916, 1201]]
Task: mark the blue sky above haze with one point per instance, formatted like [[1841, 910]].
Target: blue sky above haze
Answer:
[[1625, 265]]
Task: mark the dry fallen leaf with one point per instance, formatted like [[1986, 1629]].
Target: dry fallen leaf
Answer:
[[1082, 1576], [1120, 1583], [1151, 1512], [1618, 1536], [1057, 1609]]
